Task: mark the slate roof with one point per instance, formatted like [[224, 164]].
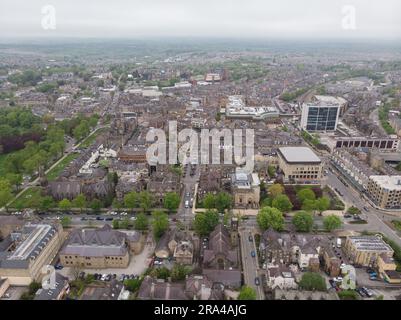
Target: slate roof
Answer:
[[220, 243], [96, 243], [152, 289], [52, 294]]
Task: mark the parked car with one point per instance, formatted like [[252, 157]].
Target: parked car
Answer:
[[253, 254], [121, 277], [257, 281], [361, 292], [250, 238]]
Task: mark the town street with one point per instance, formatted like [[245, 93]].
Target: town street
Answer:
[[249, 263]]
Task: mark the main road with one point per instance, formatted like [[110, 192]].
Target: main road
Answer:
[[351, 197]]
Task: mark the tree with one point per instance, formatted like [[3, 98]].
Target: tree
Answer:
[[79, 202], [223, 201], [145, 200], [205, 222], [309, 205], [160, 223], [116, 224], [133, 285], [171, 201], [64, 204], [5, 192], [96, 205], [312, 281], [131, 200], [353, 210], [332, 222], [275, 190], [46, 203], [322, 204], [209, 201], [306, 194], [271, 170], [303, 221], [141, 222], [124, 224], [269, 217], [179, 272], [65, 221], [282, 202], [161, 273], [116, 204], [15, 179], [247, 293], [267, 202]]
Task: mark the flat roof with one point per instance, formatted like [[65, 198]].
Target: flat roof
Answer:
[[387, 182], [299, 154]]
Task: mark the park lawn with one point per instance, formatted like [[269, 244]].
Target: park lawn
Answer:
[[56, 171], [2, 161], [87, 142], [23, 200]]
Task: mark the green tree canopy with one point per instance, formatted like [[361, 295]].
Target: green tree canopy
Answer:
[[275, 189], [312, 281], [160, 223], [171, 201], [64, 204], [5, 192], [269, 217], [247, 293], [309, 205], [179, 272], [332, 222], [303, 221], [322, 204], [131, 200], [282, 202], [205, 222], [79, 202], [306, 194], [141, 222], [65, 221], [96, 205], [223, 201], [145, 200]]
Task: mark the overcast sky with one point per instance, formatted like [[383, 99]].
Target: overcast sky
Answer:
[[203, 18]]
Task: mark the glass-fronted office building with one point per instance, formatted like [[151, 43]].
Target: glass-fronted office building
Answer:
[[319, 118]]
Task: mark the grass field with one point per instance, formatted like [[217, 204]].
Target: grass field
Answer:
[[24, 199], [2, 160], [55, 172], [87, 142]]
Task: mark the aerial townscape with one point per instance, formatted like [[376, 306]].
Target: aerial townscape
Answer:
[[86, 214]]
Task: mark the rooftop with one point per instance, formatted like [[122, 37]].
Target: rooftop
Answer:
[[387, 182], [299, 154], [370, 243]]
